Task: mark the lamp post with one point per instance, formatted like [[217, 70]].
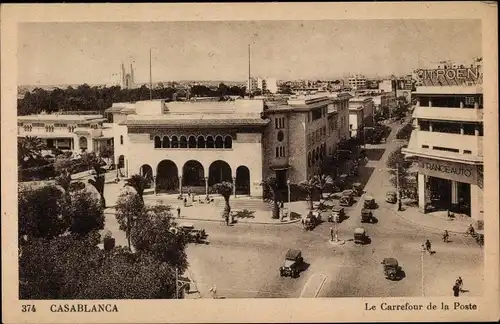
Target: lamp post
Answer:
[[422, 266], [288, 186]]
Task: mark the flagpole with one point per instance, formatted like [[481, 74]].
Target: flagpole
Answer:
[[150, 78]]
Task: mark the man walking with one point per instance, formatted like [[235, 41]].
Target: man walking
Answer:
[[331, 233], [456, 290], [178, 211], [428, 246]]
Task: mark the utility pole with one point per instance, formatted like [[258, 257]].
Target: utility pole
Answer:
[[150, 78], [422, 266], [249, 74], [176, 283]]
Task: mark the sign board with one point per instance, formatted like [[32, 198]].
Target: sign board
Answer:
[[450, 76], [455, 171]]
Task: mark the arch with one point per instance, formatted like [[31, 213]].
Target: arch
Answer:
[[228, 142], [219, 171], [242, 182], [167, 177], [147, 171], [83, 142], [219, 142], [193, 174], [121, 161], [192, 142], [157, 142], [183, 142], [200, 142], [210, 142], [174, 142], [165, 143]]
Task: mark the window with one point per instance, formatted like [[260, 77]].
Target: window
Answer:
[[316, 114], [165, 142], [446, 149], [228, 142], [425, 146], [424, 125], [281, 136], [467, 152], [277, 152], [157, 141], [121, 139], [469, 129], [280, 151]]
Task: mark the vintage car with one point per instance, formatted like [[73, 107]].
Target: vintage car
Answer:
[[337, 214], [366, 216], [391, 268], [346, 201], [193, 235], [293, 264], [312, 219], [360, 236], [391, 197], [369, 203], [357, 188], [348, 192]]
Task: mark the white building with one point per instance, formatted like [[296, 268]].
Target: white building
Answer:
[[357, 82], [360, 114], [447, 141]]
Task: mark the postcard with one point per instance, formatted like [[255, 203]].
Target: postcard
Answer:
[[265, 162]]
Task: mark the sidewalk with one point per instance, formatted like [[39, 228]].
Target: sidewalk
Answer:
[[435, 221]]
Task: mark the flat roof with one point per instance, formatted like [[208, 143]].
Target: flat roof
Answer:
[[475, 89], [50, 117], [197, 121]]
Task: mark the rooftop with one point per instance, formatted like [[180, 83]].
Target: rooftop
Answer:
[[61, 118], [476, 89]]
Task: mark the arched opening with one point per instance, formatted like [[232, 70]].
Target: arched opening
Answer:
[[167, 177], [219, 142], [183, 142], [83, 143], [192, 142], [210, 141], [228, 142], [193, 174], [174, 142], [147, 171], [157, 142], [242, 180], [166, 142], [201, 142], [219, 171], [121, 164]]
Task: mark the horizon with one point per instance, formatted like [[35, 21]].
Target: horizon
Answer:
[[78, 53]]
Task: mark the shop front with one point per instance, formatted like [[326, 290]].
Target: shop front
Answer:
[[446, 185]]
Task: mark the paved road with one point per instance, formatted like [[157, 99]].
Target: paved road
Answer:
[[243, 260]]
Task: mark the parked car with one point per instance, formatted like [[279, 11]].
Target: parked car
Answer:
[[391, 197], [369, 203], [337, 214], [366, 216], [193, 235], [392, 269], [293, 263], [360, 236]]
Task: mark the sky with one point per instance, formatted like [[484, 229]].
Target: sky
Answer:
[[76, 53]]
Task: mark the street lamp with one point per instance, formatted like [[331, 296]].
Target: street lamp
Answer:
[[422, 267], [288, 186]]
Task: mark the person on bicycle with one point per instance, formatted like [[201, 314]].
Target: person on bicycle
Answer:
[[445, 236]]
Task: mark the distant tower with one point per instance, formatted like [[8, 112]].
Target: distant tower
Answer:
[[127, 79]]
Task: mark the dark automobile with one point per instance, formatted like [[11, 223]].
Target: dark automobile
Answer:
[[391, 268], [193, 235], [369, 203], [366, 216], [293, 263], [360, 236], [391, 197]]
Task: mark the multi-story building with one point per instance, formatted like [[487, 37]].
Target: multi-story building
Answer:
[[79, 133], [447, 140], [385, 100], [357, 82], [252, 84], [197, 144], [272, 85], [360, 114]]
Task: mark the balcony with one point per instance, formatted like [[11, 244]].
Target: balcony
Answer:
[[88, 131], [444, 113]]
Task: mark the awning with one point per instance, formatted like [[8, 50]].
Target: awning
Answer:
[[280, 167]]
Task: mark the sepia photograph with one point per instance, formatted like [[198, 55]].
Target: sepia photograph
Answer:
[[235, 159]]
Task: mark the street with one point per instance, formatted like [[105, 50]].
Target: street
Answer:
[[243, 260]]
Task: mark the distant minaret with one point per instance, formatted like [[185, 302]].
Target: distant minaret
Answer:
[[131, 83], [122, 76]]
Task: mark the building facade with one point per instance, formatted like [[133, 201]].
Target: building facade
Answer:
[[357, 82], [360, 114], [447, 142], [79, 133]]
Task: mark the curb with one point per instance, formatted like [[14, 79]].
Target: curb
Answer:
[[421, 225], [239, 221]]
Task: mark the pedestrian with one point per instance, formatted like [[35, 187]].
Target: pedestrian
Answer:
[[456, 290], [178, 211], [213, 290], [460, 283], [428, 246], [282, 204], [445, 236], [185, 202], [399, 205], [331, 233]]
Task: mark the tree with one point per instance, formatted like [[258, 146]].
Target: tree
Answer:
[[139, 183], [225, 189], [99, 180], [271, 188], [106, 152], [29, 147], [40, 213], [85, 212], [152, 234], [320, 183], [128, 207]]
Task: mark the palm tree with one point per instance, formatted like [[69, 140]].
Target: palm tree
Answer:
[[271, 193], [29, 147], [225, 189], [98, 182], [139, 183], [318, 182]]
